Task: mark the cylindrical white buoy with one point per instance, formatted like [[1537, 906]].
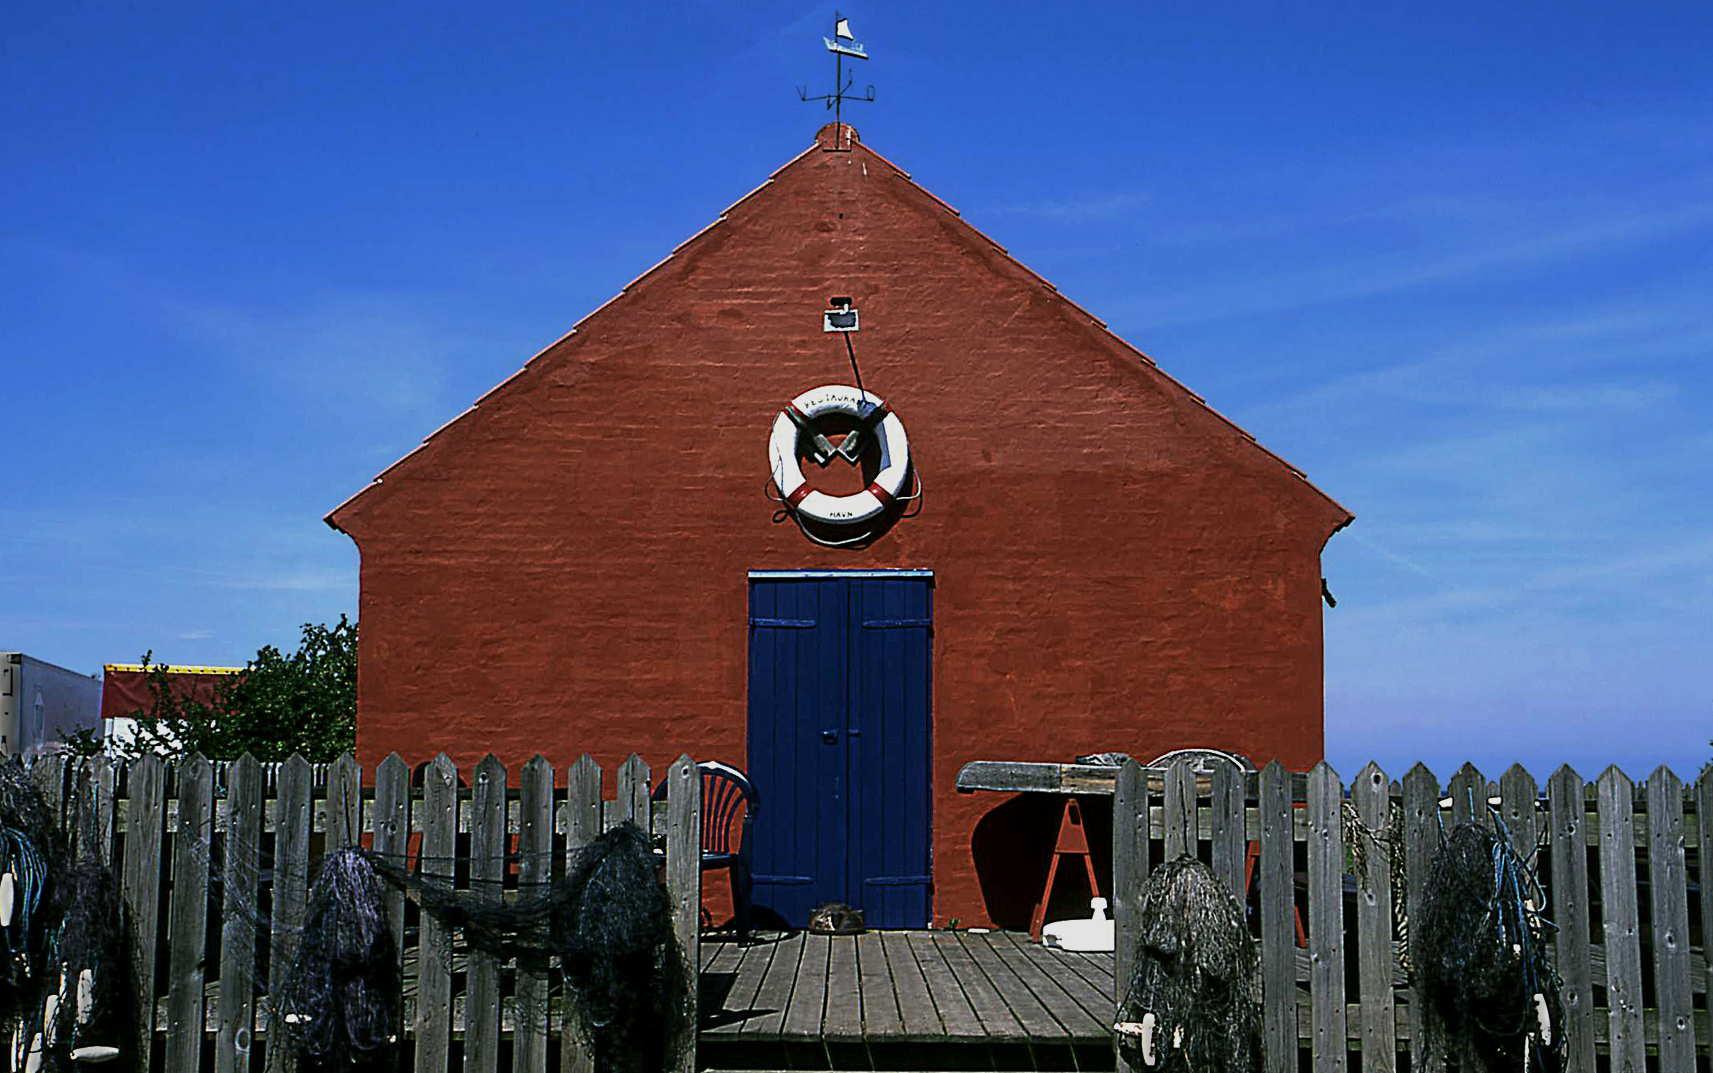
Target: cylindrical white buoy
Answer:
[[85, 996], [95, 1054], [8, 894]]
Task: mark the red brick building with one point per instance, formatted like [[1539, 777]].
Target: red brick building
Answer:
[[586, 560]]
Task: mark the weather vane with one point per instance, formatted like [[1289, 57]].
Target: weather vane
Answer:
[[841, 44]]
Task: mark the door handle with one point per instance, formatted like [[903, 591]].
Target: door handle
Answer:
[[831, 737]]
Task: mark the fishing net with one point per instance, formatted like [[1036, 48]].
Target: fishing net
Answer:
[[92, 1014], [31, 855], [1194, 996], [609, 921], [340, 1002], [1479, 958]]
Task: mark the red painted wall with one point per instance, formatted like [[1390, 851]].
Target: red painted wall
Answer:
[[563, 569]]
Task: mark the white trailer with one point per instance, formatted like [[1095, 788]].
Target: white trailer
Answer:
[[41, 704]]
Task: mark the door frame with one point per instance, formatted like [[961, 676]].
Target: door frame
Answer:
[[902, 573]]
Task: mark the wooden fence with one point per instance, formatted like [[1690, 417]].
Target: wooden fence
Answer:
[[215, 861], [1621, 865]]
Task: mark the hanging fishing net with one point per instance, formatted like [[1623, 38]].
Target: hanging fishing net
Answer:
[[31, 856], [89, 1013], [1480, 962], [1194, 997], [340, 1002], [609, 921]]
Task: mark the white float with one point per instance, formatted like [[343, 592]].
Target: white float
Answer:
[[863, 506]]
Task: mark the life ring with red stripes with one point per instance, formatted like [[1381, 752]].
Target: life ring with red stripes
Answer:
[[801, 417]]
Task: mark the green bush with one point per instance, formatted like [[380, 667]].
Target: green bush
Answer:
[[305, 702]]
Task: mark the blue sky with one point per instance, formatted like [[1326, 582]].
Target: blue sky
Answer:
[[1451, 259]]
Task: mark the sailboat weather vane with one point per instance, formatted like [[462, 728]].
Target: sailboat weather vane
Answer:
[[841, 44]]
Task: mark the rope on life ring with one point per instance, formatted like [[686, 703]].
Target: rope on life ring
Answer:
[[801, 416]]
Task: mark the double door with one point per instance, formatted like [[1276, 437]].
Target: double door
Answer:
[[840, 713]]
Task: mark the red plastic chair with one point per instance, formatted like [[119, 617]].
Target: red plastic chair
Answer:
[[725, 790]]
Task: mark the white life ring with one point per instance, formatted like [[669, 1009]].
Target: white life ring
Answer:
[[788, 475]]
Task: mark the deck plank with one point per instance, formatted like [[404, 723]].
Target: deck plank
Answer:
[[748, 966], [1095, 1002], [803, 1014], [917, 1013], [719, 959], [880, 1014], [1074, 1020], [842, 1019], [1032, 1014], [950, 1002], [983, 997], [773, 993]]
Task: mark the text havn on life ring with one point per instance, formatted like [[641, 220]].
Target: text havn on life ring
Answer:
[[801, 415]]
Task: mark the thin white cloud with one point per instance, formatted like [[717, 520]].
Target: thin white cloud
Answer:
[[1079, 210]]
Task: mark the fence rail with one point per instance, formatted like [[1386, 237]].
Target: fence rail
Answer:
[[1621, 866], [215, 862]]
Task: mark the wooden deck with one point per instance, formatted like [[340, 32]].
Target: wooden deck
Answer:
[[840, 1002]]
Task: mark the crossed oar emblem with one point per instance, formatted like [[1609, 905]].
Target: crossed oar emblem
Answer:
[[821, 449]]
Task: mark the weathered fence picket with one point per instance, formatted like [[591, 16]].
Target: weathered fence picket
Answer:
[[1620, 929], [1278, 920], [1129, 868], [234, 1033], [294, 821], [1326, 919], [141, 887], [534, 870], [1668, 902], [187, 927], [1374, 922], [1421, 847], [434, 955], [487, 878], [1569, 909]]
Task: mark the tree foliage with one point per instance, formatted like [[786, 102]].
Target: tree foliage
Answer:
[[305, 702]]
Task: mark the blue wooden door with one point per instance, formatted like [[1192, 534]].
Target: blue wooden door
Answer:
[[840, 710]]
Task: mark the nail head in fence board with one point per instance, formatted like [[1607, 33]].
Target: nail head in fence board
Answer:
[[187, 928], [1180, 811], [1568, 907], [234, 1034], [1276, 876], [487, 875], [434, 958], [392, 835], [293, 825], [1421, 846], [143, 873], [535, 868], [1621, 930], [582, 825], [684, 885], [1326, 918], [344, 804], [1372, 792], [1129, 869], [1668, 902], [1230, 842]]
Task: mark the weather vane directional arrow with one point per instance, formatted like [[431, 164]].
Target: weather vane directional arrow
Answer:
[[841, 44]]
